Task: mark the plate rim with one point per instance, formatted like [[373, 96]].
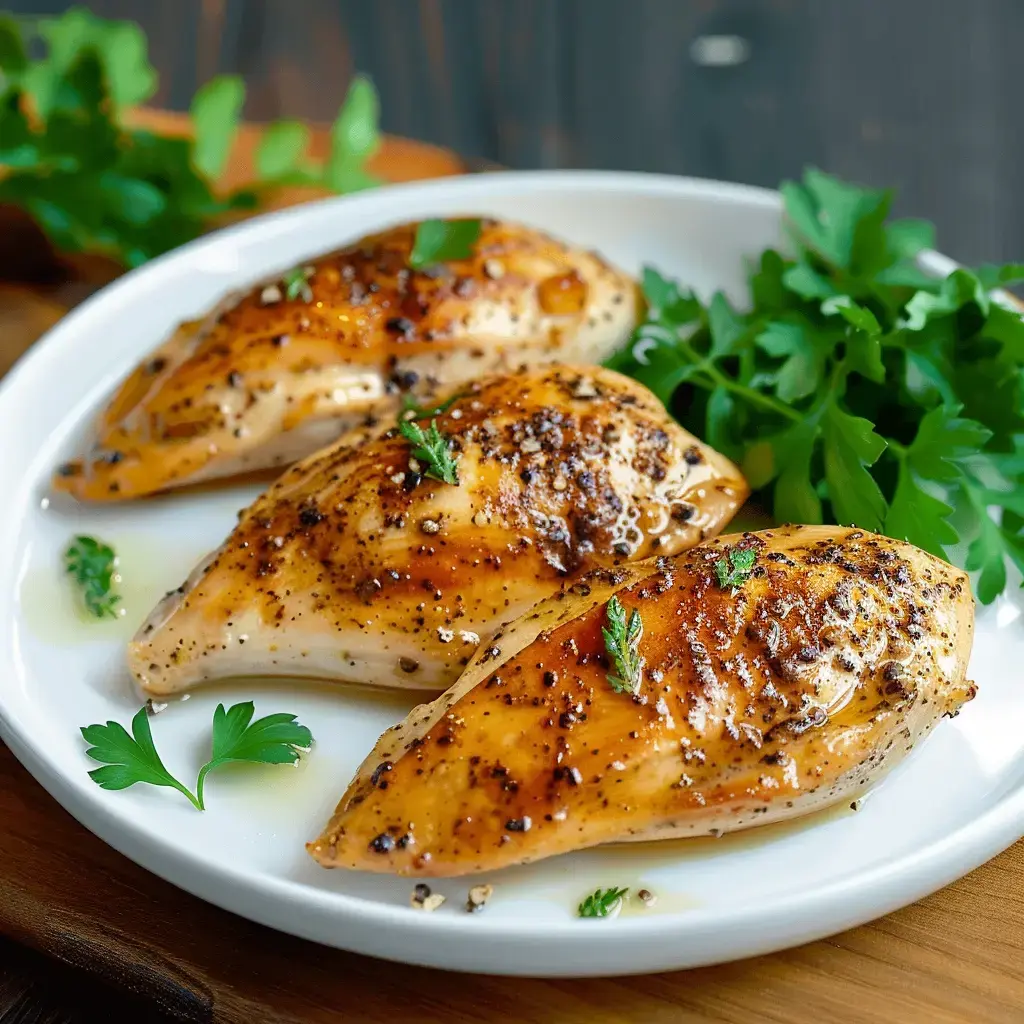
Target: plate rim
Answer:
[[338, 919]]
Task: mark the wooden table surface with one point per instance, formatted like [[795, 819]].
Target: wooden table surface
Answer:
[[86, 935]]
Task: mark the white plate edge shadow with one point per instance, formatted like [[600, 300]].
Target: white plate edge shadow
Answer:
[[691, 939]]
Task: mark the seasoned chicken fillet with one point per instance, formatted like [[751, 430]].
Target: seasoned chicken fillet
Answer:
[[358, 566], [319, 352], [758, 701]]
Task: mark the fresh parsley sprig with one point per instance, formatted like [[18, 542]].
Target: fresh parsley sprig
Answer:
[[70, 158], [128, 759], [601, 902], [857, 389], [438, 241], [733, 569], [91, 564], [430, 448], [622, 642]]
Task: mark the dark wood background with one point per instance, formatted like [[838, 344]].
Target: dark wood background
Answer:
[[919, 95]]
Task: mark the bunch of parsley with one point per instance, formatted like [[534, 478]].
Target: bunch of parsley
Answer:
[[856, 389], [93, 184]]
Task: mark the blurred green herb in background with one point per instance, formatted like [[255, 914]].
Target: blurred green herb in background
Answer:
[[95, 185]]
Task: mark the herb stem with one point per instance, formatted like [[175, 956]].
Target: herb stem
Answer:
[[719, 379], [756, 398], [196, 801], [203, 772]]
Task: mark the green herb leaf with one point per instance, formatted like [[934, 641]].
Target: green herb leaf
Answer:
[[916, 516], [438, 241], [130, 77], [601, 902], [129, 759], [994, 276], [622, 642], [215, 111], [831, 217], [355, 137], [987, 553], [795, 499], [281, 148], [412, 410], [431, 449], [733, 569], [275, 739], [296, 283], [803, 359], [91, 565], [666, 301], [808, 283], [853, 313], [13, 59], [726, 326], [907, 238], [943, 440], [851, 444]]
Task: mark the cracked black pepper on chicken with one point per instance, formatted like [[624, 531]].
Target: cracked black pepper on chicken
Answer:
[[276, 372], [792, 690], [357, 565]]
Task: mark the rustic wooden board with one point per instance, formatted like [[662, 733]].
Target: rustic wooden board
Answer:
[[955, 958]]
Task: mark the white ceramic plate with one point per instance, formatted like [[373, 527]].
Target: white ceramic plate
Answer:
[[955, 803]]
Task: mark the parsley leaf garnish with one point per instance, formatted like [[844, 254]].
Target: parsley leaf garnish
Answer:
[[856, 390], [439, 240], [129, 759], [734, 567], [296, 284], [622, 642], [91, 565], [275, 739], [430, 447], [600, 902]]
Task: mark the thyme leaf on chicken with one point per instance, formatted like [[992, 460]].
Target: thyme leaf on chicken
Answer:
[[622, 642], [600, 902], [91, 565], [296, 284], [733, 569], [130, 758], [431, 449]]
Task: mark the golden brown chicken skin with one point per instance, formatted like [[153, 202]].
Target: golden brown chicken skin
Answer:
[[322, 350], [758, 702], [357, 565]]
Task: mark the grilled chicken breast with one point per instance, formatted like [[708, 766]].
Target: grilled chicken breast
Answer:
[[357, 566], [279, 371], [791, 690]]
